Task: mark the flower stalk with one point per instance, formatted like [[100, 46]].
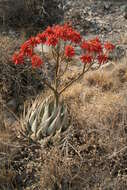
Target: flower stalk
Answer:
[[62, 41]]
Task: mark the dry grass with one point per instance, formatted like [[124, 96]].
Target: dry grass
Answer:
[[7, 47], [91, 154], [18, 82], [7, 151], [123, 39], [99, 92]]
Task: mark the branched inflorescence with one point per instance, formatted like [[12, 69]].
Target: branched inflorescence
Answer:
[[63, 40], [47, 117]]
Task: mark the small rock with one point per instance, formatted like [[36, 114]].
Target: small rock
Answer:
[[12, 104], [8, 118], [125, 13], [107, 67], [107, 5], [38, 48], [118, 53], [124, 10]]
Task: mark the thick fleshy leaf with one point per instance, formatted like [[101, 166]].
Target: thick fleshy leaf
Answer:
[[45, 119], [44, 125], [34, 126], [56, 122], [64, 120]]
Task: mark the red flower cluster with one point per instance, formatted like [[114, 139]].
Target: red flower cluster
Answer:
[[52, 36], [86, 58], [108, 46], [52, 40], [94, 50], [67, 33], [36, 61], [69, 51], [41, 37], [17, 58], [93, 45]]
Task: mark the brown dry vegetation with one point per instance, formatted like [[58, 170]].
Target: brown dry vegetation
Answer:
[[91, 154], [16, 81]]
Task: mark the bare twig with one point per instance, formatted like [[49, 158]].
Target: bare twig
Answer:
[[77, 78], [116, 152]]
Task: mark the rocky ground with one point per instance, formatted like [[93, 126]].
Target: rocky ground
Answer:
[[106, 19]]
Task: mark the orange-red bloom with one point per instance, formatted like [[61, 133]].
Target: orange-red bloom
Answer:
[[108, 46], [33, 41], [42, 37], [49, 31], [17, 58], [93, 46], [36, 61], [62, 32], [75, 37], [69, 51], [26, 49], [52, 40], [54, 36], [66, 33], [85, 45], [86, 58]]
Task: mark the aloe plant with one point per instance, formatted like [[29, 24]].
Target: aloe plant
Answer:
[[46, 117]]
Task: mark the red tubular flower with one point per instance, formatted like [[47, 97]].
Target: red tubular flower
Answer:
[[61, 32], [86, 58], [102, 58], [36, 61], [95, 45], [85, 45], [26, 49], [33, 41], [28, 52], [52, 40], [108, 46], [42, 37], [38, 40], [49, 31], [17, 58], [69, 33], [58, 31], [69, 51], [75, 37], [66, 33], [53, 36]]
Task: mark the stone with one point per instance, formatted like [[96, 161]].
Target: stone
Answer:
[[9, 118], [107, 5], [38, 48], [12, 104], [118, 53], [107, 67], [125, 12]]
